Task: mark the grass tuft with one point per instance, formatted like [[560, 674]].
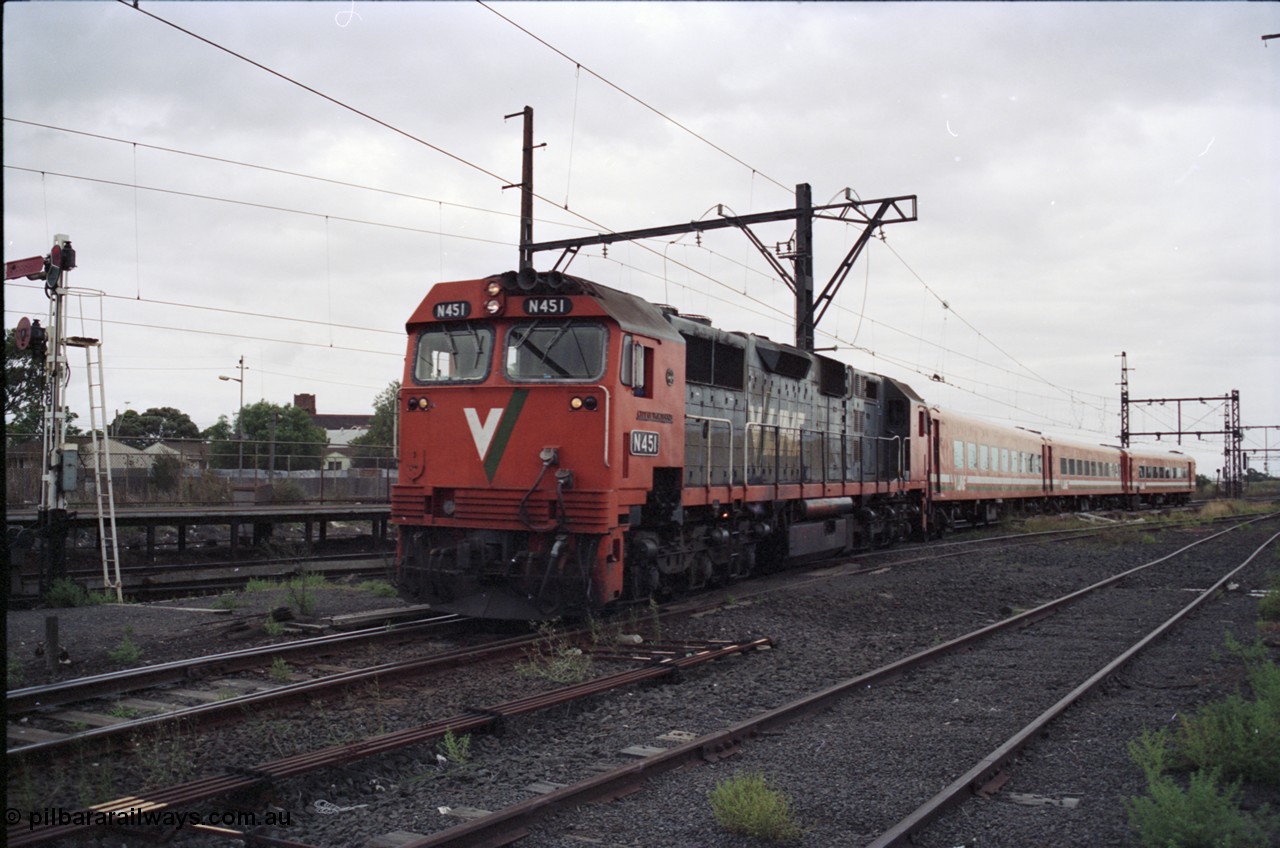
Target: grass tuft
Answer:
[[746, 804], [126, 651], [555, 659]]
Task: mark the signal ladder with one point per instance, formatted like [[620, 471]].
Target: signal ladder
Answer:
[[103, 490]]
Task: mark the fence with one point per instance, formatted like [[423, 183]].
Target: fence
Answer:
[[195, 472]]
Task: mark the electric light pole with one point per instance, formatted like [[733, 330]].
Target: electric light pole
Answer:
[[240, 416]]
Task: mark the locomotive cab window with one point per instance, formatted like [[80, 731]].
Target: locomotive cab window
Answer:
[[555, 350], [453, 353]]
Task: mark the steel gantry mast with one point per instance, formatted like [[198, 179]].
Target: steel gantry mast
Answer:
[[810, 308], [1232, 433]]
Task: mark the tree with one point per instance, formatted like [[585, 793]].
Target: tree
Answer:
[[221, 430], [298, 443], [166, 472], [373, 448], [23, 388], [154, 425]]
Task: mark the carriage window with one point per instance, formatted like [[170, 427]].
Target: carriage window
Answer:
[[985, 452], [555, 350], [453, 353], [973, 456], [957, 453]]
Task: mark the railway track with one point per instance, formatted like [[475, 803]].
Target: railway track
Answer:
[[714, 746], [665, 661], [81, 701], [153, 582], [919, 683]]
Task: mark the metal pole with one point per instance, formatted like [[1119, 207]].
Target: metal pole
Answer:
[[526, 192], [804, 267], [240, 423]]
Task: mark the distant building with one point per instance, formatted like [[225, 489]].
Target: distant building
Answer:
[[339, 428]]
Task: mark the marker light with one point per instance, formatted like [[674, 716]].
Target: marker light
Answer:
[[590, 403]]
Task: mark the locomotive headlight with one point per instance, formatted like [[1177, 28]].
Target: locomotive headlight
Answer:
[[448, 507], [575, 403], [588, 403], [418, 403], [493, 289], [493, 306]]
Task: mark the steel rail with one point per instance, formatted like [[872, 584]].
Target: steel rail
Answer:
[[218, 785], [203, 713], [31, 698], [990, 765], [507, 825]]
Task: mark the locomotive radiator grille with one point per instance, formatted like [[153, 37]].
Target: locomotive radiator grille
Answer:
[[586, 512]]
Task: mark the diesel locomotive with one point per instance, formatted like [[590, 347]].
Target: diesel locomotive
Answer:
[[566, 447]]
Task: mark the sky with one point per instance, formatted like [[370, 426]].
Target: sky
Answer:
[[1091, 178]]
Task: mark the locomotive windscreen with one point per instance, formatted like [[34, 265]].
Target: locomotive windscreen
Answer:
[[562, 350], [453, 353]]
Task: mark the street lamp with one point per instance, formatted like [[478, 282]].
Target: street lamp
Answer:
[[240, 417]]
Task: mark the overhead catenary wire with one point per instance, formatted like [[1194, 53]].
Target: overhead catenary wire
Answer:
[[631, 96], [254, 204], [283, 172]]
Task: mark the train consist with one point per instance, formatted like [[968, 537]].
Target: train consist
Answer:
[[566, 447]]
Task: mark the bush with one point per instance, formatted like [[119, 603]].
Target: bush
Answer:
[[1239, 736], [1269, 604], [1201, 816], [1235, 739], [746, 804], [67, 593]]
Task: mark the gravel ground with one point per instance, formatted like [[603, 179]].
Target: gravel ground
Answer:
[[166, 630], [833, 627]]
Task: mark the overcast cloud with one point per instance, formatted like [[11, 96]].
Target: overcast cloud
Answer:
[[1091, 178]]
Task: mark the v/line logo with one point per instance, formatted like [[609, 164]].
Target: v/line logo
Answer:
[[492, 433]]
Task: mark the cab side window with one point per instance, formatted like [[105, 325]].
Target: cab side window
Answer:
[[636, 366]]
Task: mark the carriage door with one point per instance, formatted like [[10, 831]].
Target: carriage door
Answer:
[[1048, 469], [935, 454]]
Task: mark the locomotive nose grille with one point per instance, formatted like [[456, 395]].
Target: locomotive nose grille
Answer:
[[586, 511]]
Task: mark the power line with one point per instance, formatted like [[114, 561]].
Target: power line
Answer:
[[266, 206], [256, 338], [335, 101], [354, 110], [281, 171], [245, 313], [631, 96]]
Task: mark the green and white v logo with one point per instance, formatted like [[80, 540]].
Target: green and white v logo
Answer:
[[491, 434]]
